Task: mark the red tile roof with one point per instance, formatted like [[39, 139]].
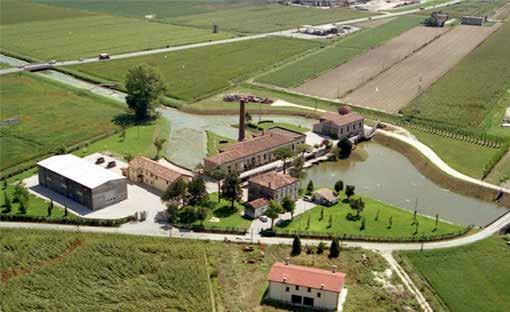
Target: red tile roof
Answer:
[[271, 139], [341, 120], [155, 168], [273, 180], [326, 194], [307, 277], [258, 203]]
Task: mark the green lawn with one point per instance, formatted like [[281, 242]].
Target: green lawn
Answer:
[[197, 72], [88, 36], [492, 122], [4, 66], [467, 158], [265, 18], [401, 227], [215, 142], [295, 73], [465, 102], [227, 217], [470, 278], [46, 115], [267, 124], [137, 140], [22, 11]]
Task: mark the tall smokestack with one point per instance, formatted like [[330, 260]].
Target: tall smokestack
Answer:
[[242, 117]]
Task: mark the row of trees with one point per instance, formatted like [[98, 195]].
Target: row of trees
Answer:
[[334, 248], [20, 195]]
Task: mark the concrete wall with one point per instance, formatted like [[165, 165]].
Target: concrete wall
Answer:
[[283, 292], [109, 193]]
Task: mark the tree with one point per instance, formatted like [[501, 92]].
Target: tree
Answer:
[[296, 170], [158, 144], [390, 222], [173, 213], [308, 222], [283, 153], [296, 246], [416, 227], [144, 86], [197, 191], [20, 192], [339, 186], [321, 248], [436, 223], [357, 204], [122, 134], [309, 187], [22, 207], [322, 214], [7, 202], [289, 206], [188, 215], [414, 217], [344, 148], [231, 188], [334, 249], [330, 222], [201, 214], [218, 174], [176, 191], [50, 207], [376, 216], [303, 148], [65, 210], [362, 226], [5, 183], [349, 191], [273, 211]]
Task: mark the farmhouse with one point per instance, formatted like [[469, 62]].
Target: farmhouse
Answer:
[[307, 287], [82, 181], [152, 173], [324, 197], [249, 154], [344, 124], [267, 186]]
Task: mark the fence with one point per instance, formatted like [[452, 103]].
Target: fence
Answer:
[[73, 221], [211, 229]]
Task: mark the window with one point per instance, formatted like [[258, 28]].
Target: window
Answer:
[[309, 289], [318, 295], [308, 301], [297, 287], [287, 289]]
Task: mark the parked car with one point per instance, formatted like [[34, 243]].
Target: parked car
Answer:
[[263, 218], [104, 56], [52, 62]]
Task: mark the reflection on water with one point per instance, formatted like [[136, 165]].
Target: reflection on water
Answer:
[[382, 173]]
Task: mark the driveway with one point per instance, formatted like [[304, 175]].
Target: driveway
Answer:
[[301, 206]]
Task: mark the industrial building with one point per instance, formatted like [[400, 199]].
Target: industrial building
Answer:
[[82, 181], [344, 124], [473, 20]]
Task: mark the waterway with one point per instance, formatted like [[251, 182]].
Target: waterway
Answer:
[[382, 173]]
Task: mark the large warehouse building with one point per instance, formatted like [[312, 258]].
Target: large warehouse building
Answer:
[[82, 181]]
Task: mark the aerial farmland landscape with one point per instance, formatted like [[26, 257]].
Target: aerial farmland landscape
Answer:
[[255, 155]]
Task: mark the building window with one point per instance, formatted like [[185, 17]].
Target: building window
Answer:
[[297, 287], [318, 295], [287, 289], [309, 289]]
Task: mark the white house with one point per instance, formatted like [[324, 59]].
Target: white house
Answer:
[[307, 287]]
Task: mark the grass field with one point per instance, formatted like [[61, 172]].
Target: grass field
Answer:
[[72, 38], [226, 216], [295, 73], [402, 221], [22, 11], [215, 142], [264, 125], [470, 7], [112, 272], [466, 102], [198, 72], [470, 278], [464, 157], [137, 140], [46, 114], [265, 18]]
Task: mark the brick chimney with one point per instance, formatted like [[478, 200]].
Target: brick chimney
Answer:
[[242, 117], [333, 268]]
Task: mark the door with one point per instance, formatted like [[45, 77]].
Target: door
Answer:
[[295, 299], [308, 301]]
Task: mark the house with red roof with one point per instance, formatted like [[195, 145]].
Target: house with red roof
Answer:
[[344, 124], [307, 287]]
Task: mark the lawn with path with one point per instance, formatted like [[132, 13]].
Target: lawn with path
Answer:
[[474, 277], [222, 215], [198, 72], [377, 223]]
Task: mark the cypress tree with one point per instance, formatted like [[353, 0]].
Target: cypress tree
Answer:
[[296, 246], [8, 204], [334, 249]]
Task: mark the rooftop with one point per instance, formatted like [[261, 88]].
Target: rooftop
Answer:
[[326, 193], [307, 277], [271, 138], [258, 203], [273, 180], [79, 170], [341, 120], [155, 168]]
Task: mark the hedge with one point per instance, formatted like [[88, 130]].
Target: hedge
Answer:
[[73, 221], [211, 229]]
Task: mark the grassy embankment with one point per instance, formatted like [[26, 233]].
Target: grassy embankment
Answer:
[[470, 278], [376, 215], [295, 73], [215, 142], [112, 272], [33, 30], [47, 115], [195, 73]]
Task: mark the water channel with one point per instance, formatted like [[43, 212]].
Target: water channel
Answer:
[[376, 171]]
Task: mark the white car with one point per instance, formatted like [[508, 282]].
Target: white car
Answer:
[[263, 218], [52, 62]]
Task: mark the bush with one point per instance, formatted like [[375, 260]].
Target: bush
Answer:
[[351, 217]]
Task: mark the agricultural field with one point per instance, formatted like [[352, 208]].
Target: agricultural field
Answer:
[[475, 102], [395, 88], [45, 115], [265, 18], [195, 73], [22, 11], [376, 215], [112, 272], [81, 37], [470, 7], [474, 277], [295, 73], [351, 75]]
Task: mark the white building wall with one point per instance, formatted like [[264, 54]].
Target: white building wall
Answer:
[[328, 300]]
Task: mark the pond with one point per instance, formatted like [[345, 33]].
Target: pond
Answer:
[[384, 174]]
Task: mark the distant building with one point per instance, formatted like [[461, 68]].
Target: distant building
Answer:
[[82, 181], [473, 20], [437, 19], [307, 287], [325, 197], [254, 152], [149, 172], [321, 3], [269, 186], [344, 124]]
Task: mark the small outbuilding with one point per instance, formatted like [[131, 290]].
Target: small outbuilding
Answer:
[[344, 124], [325, 197], [307, 287], [256, 208]]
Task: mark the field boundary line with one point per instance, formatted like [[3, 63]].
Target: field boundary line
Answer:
[[211, 292]]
